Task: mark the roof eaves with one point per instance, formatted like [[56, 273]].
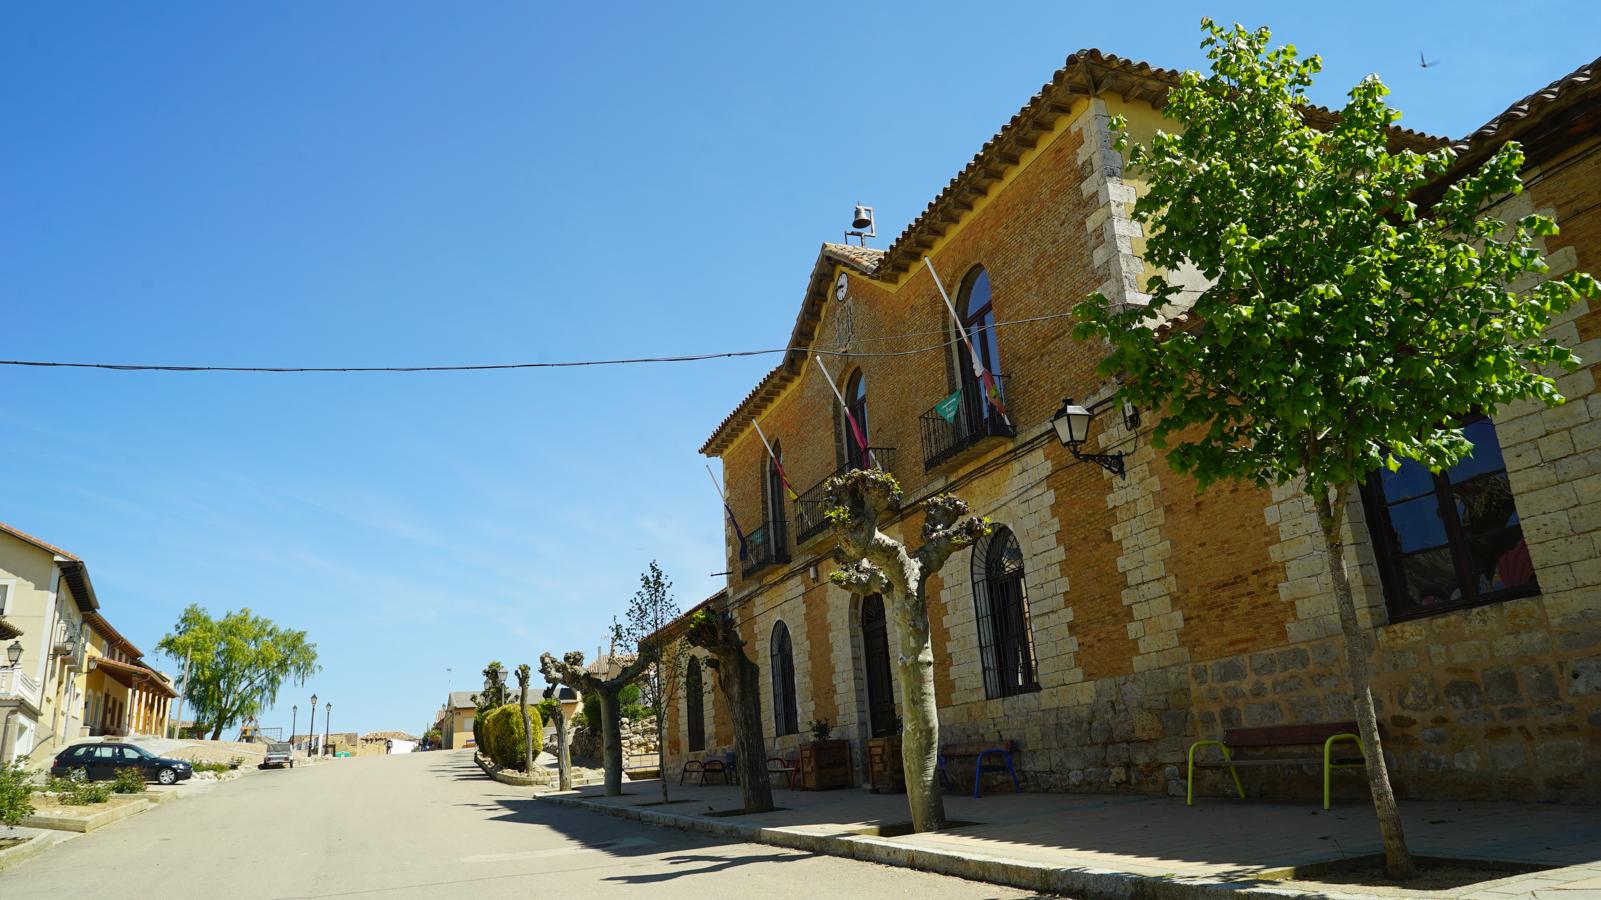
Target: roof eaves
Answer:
[[42, 545]]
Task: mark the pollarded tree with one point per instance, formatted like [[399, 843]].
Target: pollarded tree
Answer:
[[570, 671], [523, 673], [872, 562], [739, 681], [1341, 332]]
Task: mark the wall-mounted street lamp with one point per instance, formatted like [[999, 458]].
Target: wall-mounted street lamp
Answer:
[[1072, 424], [14, 653]]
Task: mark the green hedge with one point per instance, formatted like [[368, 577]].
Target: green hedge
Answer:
[[503, 735]]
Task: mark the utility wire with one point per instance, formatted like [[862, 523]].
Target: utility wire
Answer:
[[486, 367]]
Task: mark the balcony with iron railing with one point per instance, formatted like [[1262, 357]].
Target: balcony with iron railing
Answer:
[[809, 518], [972, 420], [766, 546]]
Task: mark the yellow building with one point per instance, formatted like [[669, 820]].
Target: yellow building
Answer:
[[122, 694], [456, 721], [45, 593], [75, 675]]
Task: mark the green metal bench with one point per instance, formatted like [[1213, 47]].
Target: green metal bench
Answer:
[[1327, 734]]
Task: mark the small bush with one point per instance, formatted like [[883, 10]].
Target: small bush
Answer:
[[503, 730], [211, 767], [77, 790], [128, 781], [15, 787]]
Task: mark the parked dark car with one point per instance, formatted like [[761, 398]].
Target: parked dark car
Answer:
[[102, 760]]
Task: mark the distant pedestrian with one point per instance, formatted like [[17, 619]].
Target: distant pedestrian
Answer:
[[389, 746]]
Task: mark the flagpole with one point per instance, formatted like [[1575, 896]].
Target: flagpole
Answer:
[[777, 464], [715, 486], [861, 439], [744, 551], [972, 353]]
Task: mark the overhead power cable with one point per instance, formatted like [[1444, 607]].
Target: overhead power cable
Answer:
[[487, 367]]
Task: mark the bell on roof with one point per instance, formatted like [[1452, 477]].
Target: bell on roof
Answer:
[[862, 225]]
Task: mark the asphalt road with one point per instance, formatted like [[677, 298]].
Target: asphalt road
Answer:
[[427, 825]]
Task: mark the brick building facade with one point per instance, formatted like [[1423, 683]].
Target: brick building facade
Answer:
[[1111, 621]]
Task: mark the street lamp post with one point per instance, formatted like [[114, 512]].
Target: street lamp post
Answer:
[[327, 713], [294, 716], [311, 730]]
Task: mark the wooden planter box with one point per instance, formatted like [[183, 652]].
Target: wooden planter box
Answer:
[[825, 765], [885, 771]]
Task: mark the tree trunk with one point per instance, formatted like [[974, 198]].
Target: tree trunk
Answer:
[[528, 730], [661, 731], [611, 742], [1398, 862], [564, 762], [919, 711], [740, 682]]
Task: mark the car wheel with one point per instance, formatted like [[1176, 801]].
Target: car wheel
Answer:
[[167, 776]]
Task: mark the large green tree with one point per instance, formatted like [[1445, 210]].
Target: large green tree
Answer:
[[1341, 331], [236, 663]]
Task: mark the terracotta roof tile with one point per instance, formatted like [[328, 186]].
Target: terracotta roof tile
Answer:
[[1086, 73], [24, 536]]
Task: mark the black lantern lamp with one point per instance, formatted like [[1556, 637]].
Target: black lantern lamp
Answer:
[[1072, 424], [14, 653]]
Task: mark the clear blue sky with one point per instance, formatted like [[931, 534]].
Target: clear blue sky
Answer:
[[406, 183]]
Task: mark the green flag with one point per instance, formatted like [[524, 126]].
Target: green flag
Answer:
[[947, 407]]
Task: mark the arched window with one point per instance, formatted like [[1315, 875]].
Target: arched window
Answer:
[[786, 720], [775, 501], [856, 396], [695, 700], [977, 310], [978, 318], [1005, 638]]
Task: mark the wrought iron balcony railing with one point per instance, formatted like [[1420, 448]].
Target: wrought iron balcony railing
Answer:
[[766, 546], [971, 420], [809, 518]]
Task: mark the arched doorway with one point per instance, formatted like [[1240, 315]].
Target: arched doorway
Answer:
[[875, 660]]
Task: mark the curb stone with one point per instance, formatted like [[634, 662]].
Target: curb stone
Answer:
[[1074, 881], [35, 845]]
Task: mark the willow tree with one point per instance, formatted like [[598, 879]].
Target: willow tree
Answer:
[[570, 671], [1341, 330], [739, 681], [872, 562], [237, 663]]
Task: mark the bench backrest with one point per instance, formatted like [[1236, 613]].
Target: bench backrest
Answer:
[[974, 748], [1286, 735]]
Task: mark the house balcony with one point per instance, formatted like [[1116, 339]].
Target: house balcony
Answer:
[[810, 520], [768, 546], [15, 683], [972, 421]]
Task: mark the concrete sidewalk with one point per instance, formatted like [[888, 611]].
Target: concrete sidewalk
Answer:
[[1088, 845]]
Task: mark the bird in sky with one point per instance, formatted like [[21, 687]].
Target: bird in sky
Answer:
[[1424, 63]]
